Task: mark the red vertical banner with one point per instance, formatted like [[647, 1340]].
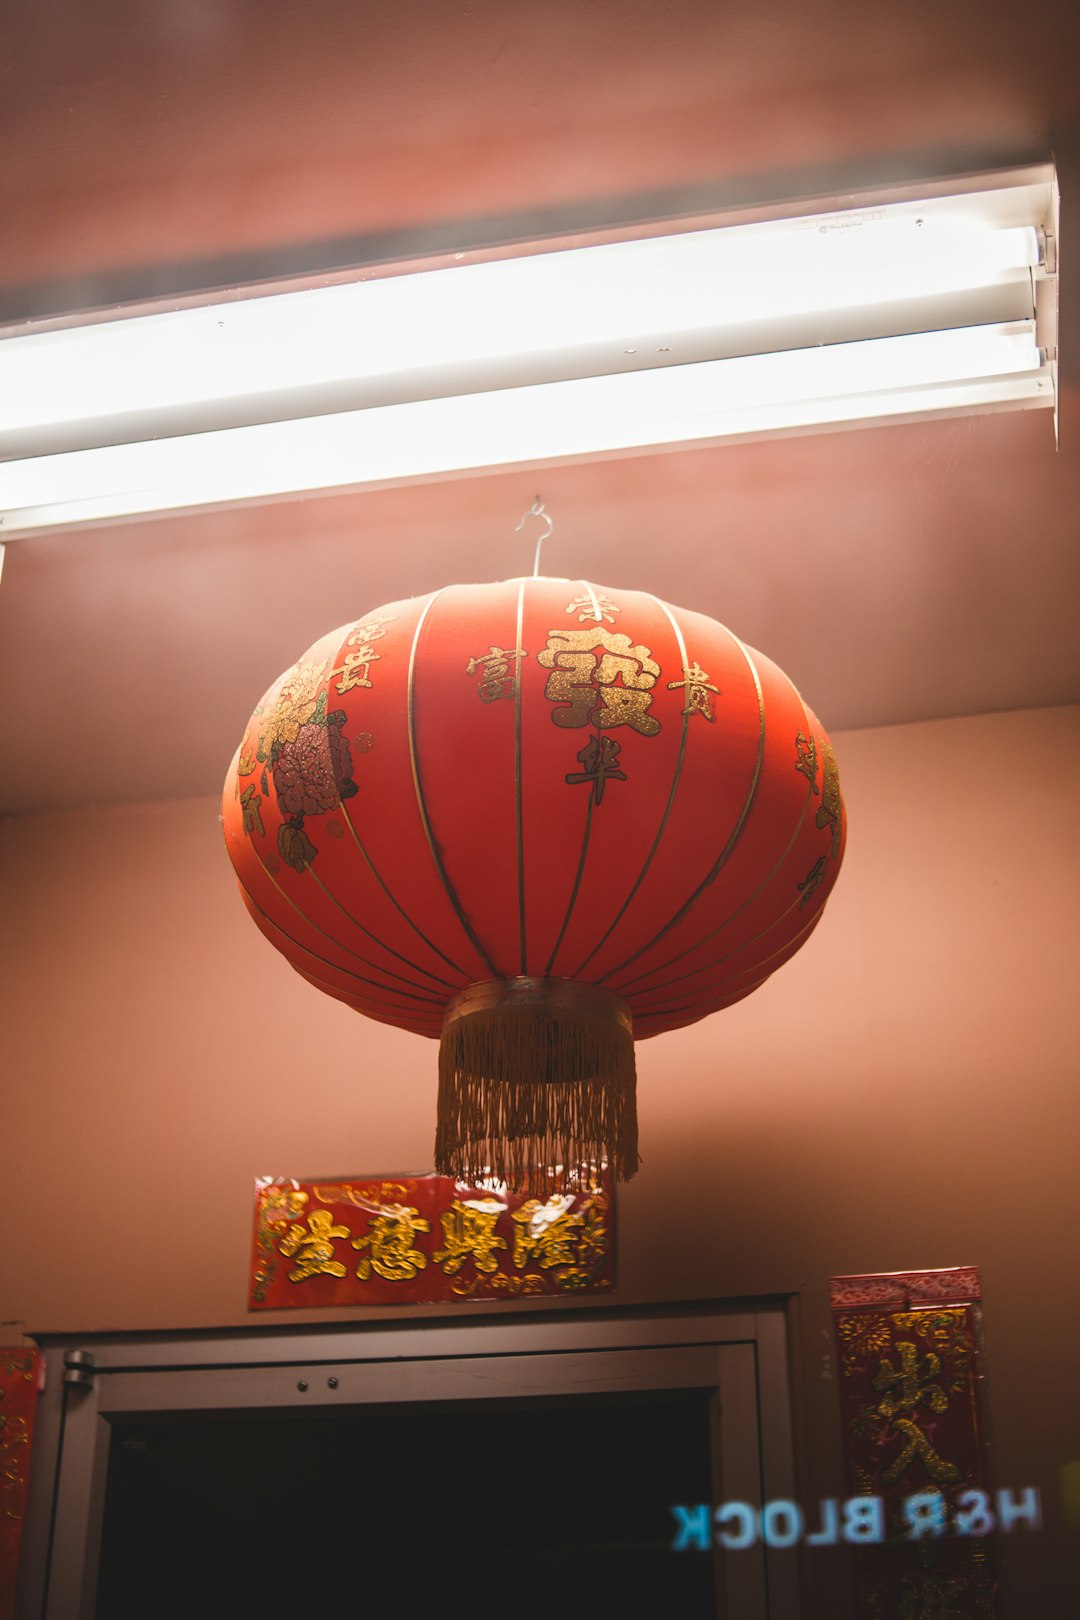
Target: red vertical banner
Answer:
[[421, 1239], [914, 1440], [19, 1386]]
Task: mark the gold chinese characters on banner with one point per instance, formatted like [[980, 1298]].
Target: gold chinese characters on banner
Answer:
[[908, 1349], [21, 1372], [421, 1239]]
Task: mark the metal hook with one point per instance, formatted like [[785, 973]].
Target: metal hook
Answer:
[[537, 509]]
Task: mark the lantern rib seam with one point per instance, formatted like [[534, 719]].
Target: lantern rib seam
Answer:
[[577, 884], [414, 995], [522, 931], [639, 880], [694, 1010], [762, 886], [370, 1007], [389, 949], [758, 962], [735, 833], [786, 952], [387, 1011], [398, 907], [410, 714], [572, 902], [300, 912]]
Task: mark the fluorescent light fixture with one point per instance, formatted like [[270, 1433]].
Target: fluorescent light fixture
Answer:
[[907, 307]]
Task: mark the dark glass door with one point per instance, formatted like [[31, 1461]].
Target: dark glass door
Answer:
[[541, 1506]]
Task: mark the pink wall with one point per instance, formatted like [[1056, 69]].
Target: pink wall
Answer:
[[902, 1095]]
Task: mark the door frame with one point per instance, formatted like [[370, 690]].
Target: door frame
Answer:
[[95, 1380]]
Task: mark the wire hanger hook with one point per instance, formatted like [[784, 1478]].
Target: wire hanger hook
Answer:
[[537, 509]]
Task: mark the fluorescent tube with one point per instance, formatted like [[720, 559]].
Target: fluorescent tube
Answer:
[[616, 297], [878, 311], [884, 379]]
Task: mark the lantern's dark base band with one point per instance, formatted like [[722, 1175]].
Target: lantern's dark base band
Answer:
[[535, 1073]]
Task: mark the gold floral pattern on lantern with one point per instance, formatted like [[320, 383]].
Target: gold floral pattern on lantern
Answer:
[[305, 755], [293, 707], [813, 880], [830, 811], [806, 757]]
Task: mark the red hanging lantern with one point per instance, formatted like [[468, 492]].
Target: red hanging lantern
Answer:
[[539, 820]]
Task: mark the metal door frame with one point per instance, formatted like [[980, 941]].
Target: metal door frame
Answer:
[[93, 1381]]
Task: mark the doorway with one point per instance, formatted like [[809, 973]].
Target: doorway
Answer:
[[535, 1460], [416, 1504]]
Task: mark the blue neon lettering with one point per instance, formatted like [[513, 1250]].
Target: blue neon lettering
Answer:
[[973, 1516], [925, 1515], [859, 1519], [864, 1519], [735, 1539], [781, 1524], [694, 1528], [1028, 1510], [829, 1534]]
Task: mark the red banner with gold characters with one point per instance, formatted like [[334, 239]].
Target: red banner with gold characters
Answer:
[[914, 1442], [422, 1239], [19, 1385]]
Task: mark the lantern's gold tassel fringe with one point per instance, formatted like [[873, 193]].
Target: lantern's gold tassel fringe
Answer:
[[525, 1088]]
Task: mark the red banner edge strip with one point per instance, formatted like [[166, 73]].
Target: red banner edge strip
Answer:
[[955, 1285]]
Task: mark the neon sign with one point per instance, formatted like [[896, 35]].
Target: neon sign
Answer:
[[858, 1520]]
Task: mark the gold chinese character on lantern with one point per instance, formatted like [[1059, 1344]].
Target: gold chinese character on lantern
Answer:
[[600, 759], [314, 1248], [593, 605], [469, 1234], [354, 670], [389, 1241], [697, 688], [496, 678], [599, 678]]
